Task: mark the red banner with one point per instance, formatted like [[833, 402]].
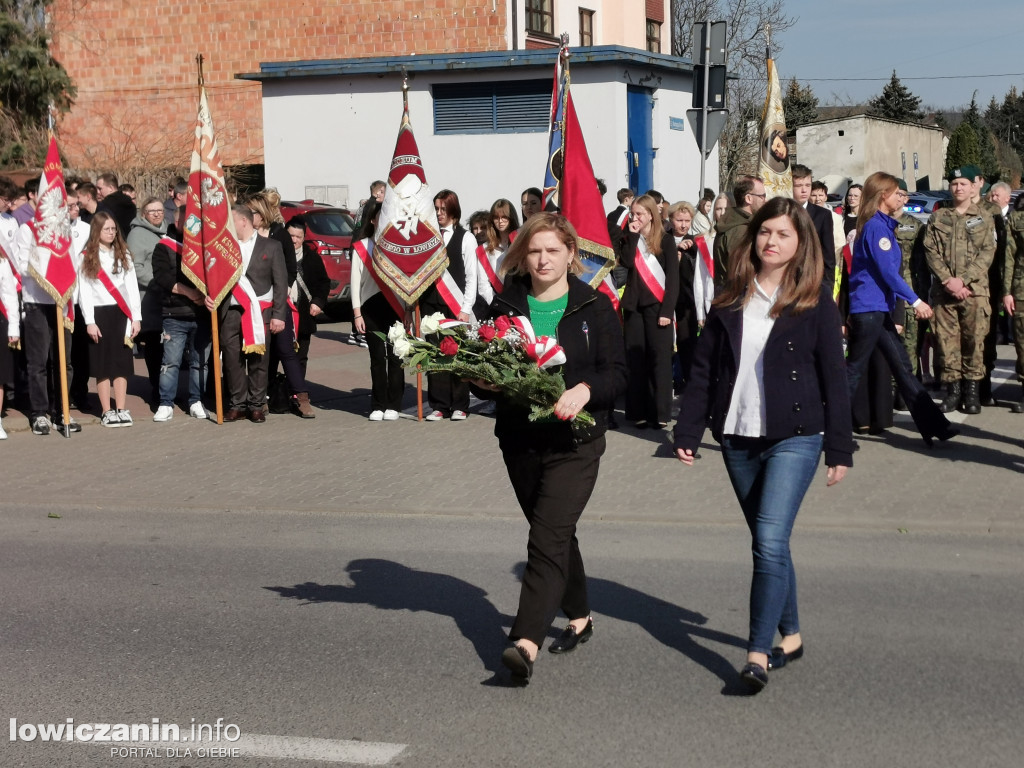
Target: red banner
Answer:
[[211, 258], [49, 262]]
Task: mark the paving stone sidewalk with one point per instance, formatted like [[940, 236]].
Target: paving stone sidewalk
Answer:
[[340, 463]]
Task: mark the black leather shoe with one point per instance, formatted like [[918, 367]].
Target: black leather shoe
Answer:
[[569, 639], [518, 663], [234, 414], [755, 676], [778, 658]]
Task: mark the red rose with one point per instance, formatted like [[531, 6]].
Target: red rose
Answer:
[[449, 347], [487, 333], [502, 324]]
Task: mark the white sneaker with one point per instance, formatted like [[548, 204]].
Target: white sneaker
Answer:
[[125, 417], [459, 415], [164, 413], [3, 434], [197, 411], [377, 415], [433, 416], [109, 419], [390, 415]]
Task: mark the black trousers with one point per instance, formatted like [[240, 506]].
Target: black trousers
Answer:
[[79, 384], [649, 359], [686, 339], [153, 354], [386, 375], [445, 392], [281, 348], [39, 340], [245, 376], [553, 488]]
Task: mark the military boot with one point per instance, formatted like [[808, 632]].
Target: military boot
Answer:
[[985, 392], [952, 399], [972, 402], [1018, 407]]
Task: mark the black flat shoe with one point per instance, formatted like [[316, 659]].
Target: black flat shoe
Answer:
[[778, 658], [569, 639], [518, 662], [755, 676]]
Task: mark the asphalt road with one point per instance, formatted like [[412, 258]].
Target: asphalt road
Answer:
[[352, 628]]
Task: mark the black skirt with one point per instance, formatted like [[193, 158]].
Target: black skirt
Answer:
[[6, 358], [110, 358]]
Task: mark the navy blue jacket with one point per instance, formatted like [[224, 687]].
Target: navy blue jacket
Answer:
[[804, 379]]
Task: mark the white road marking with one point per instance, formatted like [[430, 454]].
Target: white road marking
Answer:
[[279, 747]]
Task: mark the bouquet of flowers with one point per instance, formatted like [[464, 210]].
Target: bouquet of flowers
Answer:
[[505, 353]]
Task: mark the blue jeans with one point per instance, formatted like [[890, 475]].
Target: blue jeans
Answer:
[[181, 336], [770, 478], [870, 329]]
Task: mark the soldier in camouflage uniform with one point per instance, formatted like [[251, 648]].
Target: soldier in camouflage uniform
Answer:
[[999, 191], [959, 246], [1013, 300], [910, 237]]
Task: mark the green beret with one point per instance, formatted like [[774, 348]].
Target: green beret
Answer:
[[969, 172]]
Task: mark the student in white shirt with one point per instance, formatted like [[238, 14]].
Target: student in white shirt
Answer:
[[112, 310], [10, 326]]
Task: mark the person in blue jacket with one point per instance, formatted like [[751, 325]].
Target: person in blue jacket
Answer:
[[875, 287]]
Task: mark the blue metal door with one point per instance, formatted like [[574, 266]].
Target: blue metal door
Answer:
[[639, 127]]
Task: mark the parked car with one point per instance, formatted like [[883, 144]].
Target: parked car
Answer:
[[921, 207], [329, 230]]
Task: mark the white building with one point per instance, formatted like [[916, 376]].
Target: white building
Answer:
[[481, 122], [857, 146]]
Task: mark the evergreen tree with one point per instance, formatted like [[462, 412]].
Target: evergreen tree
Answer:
[[962, 148], [896, 102], [986, 147], [800, 105]]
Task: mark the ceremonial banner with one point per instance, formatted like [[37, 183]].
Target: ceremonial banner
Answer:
[[49, 261], [556, 142], [774, 149], [409, 253], [211, 257], [581, 201]]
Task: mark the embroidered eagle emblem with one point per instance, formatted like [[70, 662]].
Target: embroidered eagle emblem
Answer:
[[211, 196], [54, 226]]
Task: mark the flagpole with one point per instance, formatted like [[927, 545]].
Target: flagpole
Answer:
[[416, 308], [61, 347], [563, 53], [218, 392]]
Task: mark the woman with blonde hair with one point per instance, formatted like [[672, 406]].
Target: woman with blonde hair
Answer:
[[648, 253], [680, 219], [769, 376], [112, 310], [875, 287], [553, 463]]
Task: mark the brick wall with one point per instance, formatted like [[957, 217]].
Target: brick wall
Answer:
[[133, 64]]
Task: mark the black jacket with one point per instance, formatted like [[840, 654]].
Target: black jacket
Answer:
[[314, 276], [166, 272], [823, 225], [591, 335], [121, 207], [637, 294], [804, 379]]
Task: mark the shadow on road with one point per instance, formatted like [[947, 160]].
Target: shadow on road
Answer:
[[392, 586]]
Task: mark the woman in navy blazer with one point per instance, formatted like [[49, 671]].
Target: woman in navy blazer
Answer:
[[770, 379]]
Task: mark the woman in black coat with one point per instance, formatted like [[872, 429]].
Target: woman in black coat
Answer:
[[652, 285], [553, 464], [770, 378]]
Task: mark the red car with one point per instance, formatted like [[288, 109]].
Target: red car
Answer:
[[330, 231]]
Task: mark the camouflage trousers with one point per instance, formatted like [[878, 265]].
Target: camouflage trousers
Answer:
[[910, 340], [1018, 337], [960, 329]]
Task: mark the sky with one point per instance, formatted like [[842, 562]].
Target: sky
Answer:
[[846, 51]]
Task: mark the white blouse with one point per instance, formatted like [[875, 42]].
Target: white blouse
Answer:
[[94, 294], [748, 414]]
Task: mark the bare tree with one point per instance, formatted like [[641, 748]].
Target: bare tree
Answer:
[[745, 45]]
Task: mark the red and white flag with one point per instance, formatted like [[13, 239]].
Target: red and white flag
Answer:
[[410, 253], [211, 257], [49, 262]]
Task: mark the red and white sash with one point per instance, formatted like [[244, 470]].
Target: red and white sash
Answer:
[[703, 278], [451, 293], [623, 220], [607, 287], [171, 243], [119, 299], [364, 256], [650, 270], [254, 333], [485, 264]]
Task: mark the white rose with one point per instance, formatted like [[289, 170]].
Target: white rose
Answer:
[[403, 349], [396, 332], [431, 323]]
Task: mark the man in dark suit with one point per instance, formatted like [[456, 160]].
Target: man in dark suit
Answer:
[[245, 375], [822, 218]]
